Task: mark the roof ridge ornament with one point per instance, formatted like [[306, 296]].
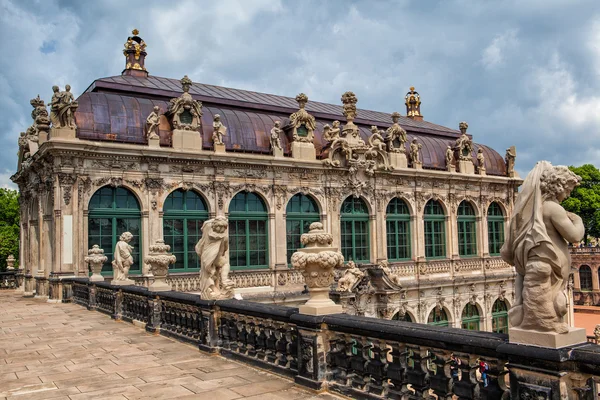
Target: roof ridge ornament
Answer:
[[302, 123], [184, 112], [135, 55], [412, 100]]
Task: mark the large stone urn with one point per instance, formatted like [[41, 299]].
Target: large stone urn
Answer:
[[10, 262], [159, 260], [95, 259], [316, 261]]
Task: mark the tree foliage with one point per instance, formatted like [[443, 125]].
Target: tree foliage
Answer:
[[9, 225], [585, 199]]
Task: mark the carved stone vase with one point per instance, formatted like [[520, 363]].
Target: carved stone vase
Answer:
[[10, 262], [317, 261], [95, 259], [159, 260]]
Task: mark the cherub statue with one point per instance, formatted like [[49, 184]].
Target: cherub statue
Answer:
[[152, 123], [537, 245], [480, 158], [122, 258], [511, 156], [449, 156], [275, 138], [415, 148], [213, 251], [351, 276], [376, 139], [218, 130]]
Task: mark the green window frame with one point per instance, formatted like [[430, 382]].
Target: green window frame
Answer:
[[500, 317], [585, 278], [434, 230], [397, 221], [438, 317], [184, 212], [111, 212], [248, 232], [301, 211], [495, 221], [470, 317], [354, 230], [467, 230]]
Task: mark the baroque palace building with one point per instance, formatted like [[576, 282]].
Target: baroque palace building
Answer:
[[418, 207]]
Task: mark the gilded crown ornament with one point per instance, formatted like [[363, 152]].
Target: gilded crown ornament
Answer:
[[135, 55], [412, 100]]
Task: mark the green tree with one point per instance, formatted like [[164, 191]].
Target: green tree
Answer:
[[585, 199], [9, 225]]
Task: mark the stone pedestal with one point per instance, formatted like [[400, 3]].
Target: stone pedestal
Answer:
[[10, 262], [187, 140], [547, 339], [304, 151], [154, 142], [277, 152], [95, 259], [219, 148], [465, 167], [451, 168], [398, 160], [417, 165], [482, 171], [317, 261], [159, 260], [41, 287], [62, 133]]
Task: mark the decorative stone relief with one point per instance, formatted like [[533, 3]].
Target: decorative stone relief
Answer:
[[159, 260], [331, 133], [66, 182], [213, 251], [187, 168], [62, 108], [250, 173], [280, 193], [95, 259], [116, 164], [302, 123], [221, 189], [352, 275], [184, 112]]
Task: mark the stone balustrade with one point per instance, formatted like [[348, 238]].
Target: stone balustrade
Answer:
[[355, 356]]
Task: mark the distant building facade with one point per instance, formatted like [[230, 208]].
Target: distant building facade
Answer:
[[419, 207]]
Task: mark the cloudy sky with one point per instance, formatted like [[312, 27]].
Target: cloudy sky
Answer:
[[520, 72]]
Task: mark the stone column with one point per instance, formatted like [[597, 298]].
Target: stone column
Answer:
[[150, 231], [273, 246], [482, 239], [279, 231], [419, 236], [576, 281], [451, 236], [335, 222], [381, 242], [373, 238]]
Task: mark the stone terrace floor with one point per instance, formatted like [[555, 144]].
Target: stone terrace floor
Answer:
[[63, 351]]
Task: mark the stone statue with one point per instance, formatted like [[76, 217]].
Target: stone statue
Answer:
[[63, 106], [449, 156], [351, 276], [275, 136], [480, 159], [412, 100], [213, 251], [511, 156], [415, 148], [152, 123], [219, 130], [122, 260], [331, 133], [537, 245], [376, 139], [385, 266], [303, 124], [464, 145], [184, 112], [395, 135]]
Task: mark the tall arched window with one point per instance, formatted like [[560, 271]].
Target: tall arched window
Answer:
[[301, 211], [435, 230], [397, 223], [500, 317], [113, 211], [467, 232], [495, 221], [248, 232], [399, 317], [184, 214], [355, 230], [470, 317], [438, 317], [585, 277]]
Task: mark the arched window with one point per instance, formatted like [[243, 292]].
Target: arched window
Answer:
[[495, 221], [470, 317], [113, 211], [435, 230], [438, 317], [399, 317], [467, 233], [355, 230], [500, 317], [248, 232], [301, 211], [397, 223], [585, 277], [184, 214]]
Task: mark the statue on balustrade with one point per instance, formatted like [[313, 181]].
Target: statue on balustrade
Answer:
[[123, 260], [213, 251], [219, 130], [152, 123], [63, 106], [351, 277], [464, 144], [449, 157], [276, 132], [537, 245], [415, 148]]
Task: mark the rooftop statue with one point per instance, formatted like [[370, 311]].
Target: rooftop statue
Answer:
[[213, 251], [415, 148], [412, 100], [219, 130], [480, 159], [331, 133], [376, 140], [537, 245], [276, 132], [449, 156], [395, 136], [511, 156], [63, 106], [464, 144], [152, 123]]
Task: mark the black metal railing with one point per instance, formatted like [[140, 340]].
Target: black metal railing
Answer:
[[355, 356]]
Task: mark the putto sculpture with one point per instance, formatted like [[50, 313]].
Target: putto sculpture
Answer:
[[480, 161], [219, 130], [537, 245], [123, 260], [275, 136], [352, 275], [415, 149], [63, 106], [449, 158], [213, 251], [331, 133], [152, 123], [509, 158]]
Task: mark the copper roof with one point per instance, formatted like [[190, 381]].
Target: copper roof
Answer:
[[116, 108]]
